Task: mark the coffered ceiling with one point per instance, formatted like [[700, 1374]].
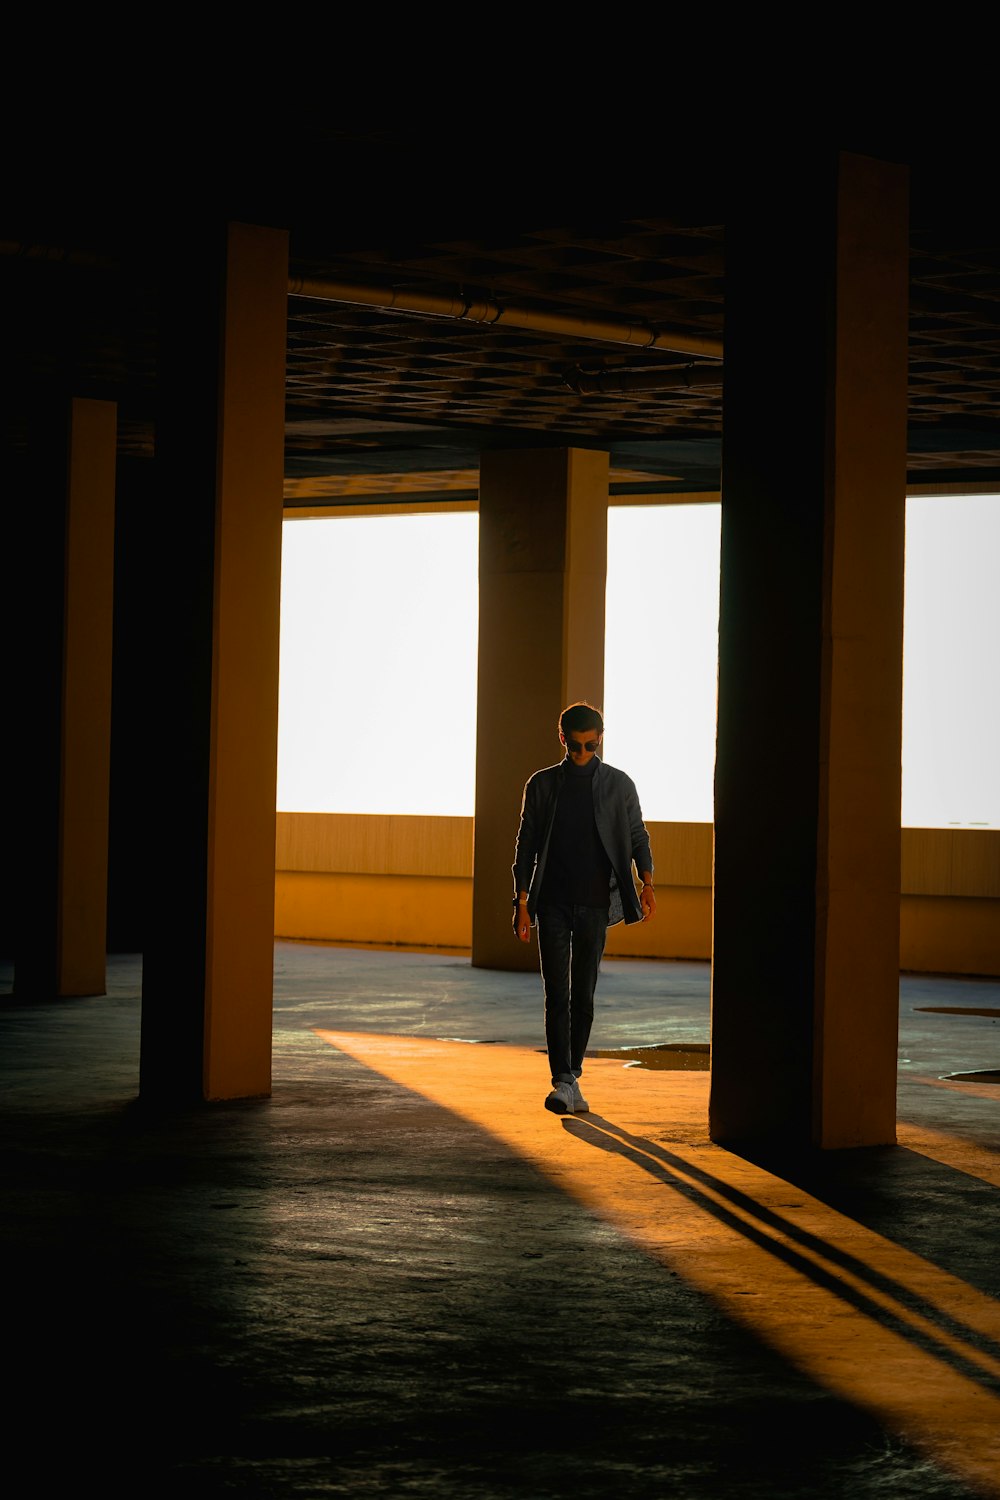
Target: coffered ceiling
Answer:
[[425, 327]]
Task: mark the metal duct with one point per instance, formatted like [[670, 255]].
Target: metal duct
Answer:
[[389, 299], [566, 325]]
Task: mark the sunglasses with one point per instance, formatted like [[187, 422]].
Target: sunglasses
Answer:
[[590, 746]]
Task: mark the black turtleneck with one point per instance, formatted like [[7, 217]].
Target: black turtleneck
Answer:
[[577, 870]]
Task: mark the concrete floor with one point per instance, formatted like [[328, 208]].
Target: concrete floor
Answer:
[[401, 1276]]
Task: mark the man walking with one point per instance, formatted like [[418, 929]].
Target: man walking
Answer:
[[581, 832]]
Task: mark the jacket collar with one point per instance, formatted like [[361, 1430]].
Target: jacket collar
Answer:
[[565, 764]]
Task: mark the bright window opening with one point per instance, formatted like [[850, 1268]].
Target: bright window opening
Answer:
[[379, 635], [662, 653], [379, 640], [951, 679]]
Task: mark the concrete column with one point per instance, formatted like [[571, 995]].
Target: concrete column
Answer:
[[208, 965], [138, 519], [65, 576], [86, 738], [805, 978], [542, 571]]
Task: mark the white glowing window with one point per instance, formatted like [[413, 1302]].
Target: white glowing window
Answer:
[[379, 629], [662, 653], [379, 637], [951, 673]]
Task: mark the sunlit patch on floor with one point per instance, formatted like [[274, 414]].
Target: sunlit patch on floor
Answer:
[[859, 1313]]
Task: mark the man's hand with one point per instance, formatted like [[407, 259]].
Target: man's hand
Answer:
[[522, 922], [647, 900]]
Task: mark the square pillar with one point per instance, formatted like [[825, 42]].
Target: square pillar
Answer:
[[213, 691], [65, 575], [543, 548], [805, 970]]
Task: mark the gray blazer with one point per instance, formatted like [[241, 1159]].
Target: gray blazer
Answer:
[[619, 823]]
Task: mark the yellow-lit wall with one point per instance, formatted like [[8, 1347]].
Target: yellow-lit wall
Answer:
[[407, 881], [950, 906]]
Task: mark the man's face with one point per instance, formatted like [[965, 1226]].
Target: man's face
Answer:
[[581, 745]]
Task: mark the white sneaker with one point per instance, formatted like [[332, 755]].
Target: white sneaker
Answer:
[[561, 1101], [580, 1105]]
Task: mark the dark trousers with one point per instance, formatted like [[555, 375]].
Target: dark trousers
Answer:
[[570, 948]]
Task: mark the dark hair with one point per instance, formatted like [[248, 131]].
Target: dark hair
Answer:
[[579, 716]]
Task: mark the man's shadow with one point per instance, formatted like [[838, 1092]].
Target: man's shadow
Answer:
[[827, 1265]]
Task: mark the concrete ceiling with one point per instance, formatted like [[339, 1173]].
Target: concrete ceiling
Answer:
[[436, 311]]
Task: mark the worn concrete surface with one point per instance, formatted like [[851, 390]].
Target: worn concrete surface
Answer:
[[400, 1276]]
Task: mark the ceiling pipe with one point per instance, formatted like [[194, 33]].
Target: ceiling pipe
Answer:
[[388, 299], [610, 383], [601, 330]]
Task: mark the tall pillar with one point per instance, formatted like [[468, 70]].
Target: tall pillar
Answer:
[[543, 546], [138, 518], [64, 573], [805, 966], [213, 689]]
